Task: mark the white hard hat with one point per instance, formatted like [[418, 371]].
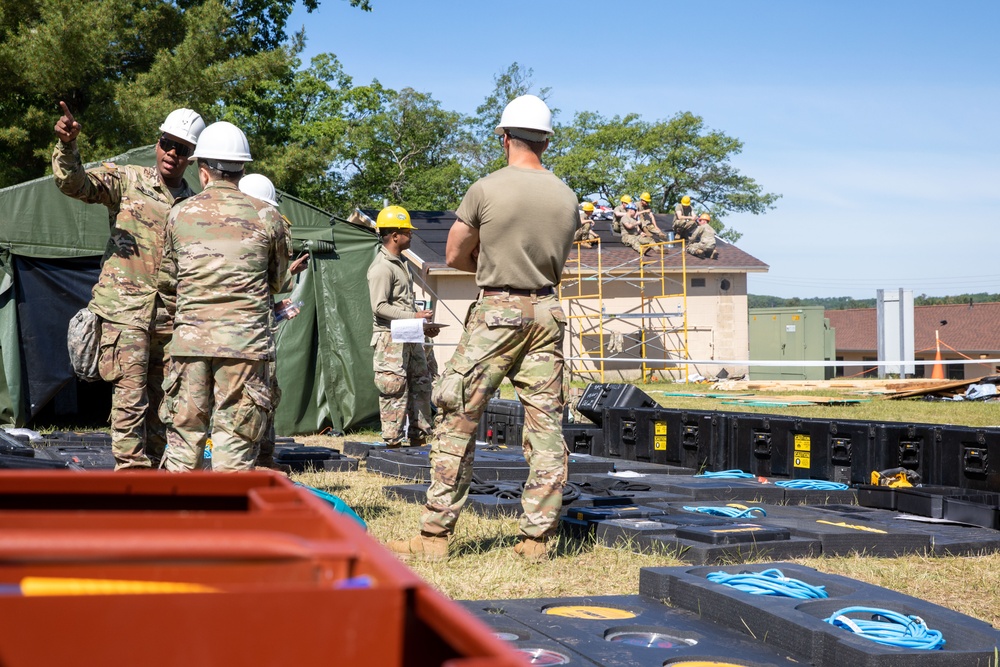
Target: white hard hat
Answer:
[[259, 186], [526, 117], [224, 145], [184, 124]]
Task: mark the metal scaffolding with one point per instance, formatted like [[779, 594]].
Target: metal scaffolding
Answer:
[[652, 335]]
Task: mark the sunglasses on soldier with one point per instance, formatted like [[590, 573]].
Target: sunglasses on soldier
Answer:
[[181, 150]]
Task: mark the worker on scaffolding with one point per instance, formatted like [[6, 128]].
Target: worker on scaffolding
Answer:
[[586, 234], [619, 213], [632, 233], [685, 221], [702, 242], [647, 219]]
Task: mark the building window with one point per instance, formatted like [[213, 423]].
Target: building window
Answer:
[[955, 371], [871, 371], [838, 371], [697, 282]]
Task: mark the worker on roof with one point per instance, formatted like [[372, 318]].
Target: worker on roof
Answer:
[[702, 241], [586, 234], [632, 233], [619, 213], [685, 220], [646, 219]]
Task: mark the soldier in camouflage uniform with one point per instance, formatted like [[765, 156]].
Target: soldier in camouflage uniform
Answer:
[[647, 219], [632, 234], [702, 241], [620, 212], [514, 230], [222, 262], [685, 221], [586, 234], [402, 377], [263, 195], [135, 326]]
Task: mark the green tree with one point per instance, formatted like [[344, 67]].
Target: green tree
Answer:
[[296, 123], [478, 146], [668, 158], [399, 146], [122, 65]]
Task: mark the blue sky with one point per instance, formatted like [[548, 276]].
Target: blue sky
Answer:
[[876, 121]]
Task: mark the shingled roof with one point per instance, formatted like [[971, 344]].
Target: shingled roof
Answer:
[[965, 327], [428, 245]]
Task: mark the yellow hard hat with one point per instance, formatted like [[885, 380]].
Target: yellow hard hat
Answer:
[[685, 201], [705, 216], [645, 197], [587, 206], [394, 217], [626, 199]]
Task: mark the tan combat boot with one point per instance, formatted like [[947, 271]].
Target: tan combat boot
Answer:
[[532, 549], [421, 547]]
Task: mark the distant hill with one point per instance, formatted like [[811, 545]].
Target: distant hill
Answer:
[[845, 302]]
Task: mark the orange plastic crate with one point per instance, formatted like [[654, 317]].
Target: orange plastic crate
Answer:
[[278, 556]]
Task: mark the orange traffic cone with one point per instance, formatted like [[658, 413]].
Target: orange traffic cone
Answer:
[[937, 373]]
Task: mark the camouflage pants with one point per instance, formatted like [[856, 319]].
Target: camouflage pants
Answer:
[[703, 250], [585, 232], [404, 388], [636, 241], [132, 360], [683, 228], [265, 446], [519, 338], [231, 395], [432, 364], [651, 230]]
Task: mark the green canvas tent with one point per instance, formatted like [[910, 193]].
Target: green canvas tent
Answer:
[[50, 250]]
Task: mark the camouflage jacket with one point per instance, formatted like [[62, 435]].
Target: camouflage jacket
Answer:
[[704, 234], [137, 203], [390, 287], [267, 211], [222, 261]]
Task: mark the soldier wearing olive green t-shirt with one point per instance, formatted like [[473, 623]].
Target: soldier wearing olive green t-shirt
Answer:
[[514, 230]]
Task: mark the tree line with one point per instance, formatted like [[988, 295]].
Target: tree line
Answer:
[[846, 302], [122, 65]]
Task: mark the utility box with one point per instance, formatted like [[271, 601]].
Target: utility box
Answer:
[[791, 334]]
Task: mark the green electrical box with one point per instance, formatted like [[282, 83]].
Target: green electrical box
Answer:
[[791, 334]]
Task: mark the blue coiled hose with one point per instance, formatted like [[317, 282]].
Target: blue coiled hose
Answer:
[[730, 511], [769, 582], [727, 474], [811, 485], [889, 628]]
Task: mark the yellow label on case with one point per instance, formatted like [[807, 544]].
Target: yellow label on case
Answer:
[[593, 613], [660, 443]]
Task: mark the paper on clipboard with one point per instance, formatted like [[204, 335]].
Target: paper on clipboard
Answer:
[[407, 331]]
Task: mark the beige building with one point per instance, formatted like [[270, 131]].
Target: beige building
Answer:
[[670, 307]]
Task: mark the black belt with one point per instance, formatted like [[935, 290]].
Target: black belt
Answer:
[[496, 291]]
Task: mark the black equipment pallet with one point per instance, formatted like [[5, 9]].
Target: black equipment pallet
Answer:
[[797, 626]]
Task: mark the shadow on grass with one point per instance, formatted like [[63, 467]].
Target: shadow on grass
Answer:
[[481, 545]]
